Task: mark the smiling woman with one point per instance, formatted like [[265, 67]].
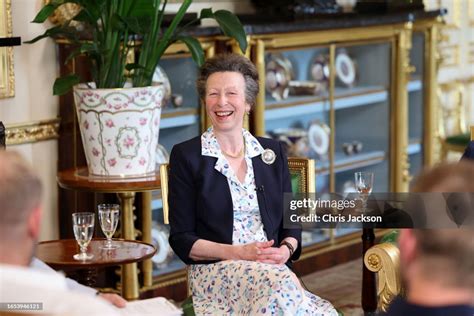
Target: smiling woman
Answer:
[[226, 206]]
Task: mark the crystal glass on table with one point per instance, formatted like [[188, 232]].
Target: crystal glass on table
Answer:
[[108, 219], [83, 226], [364, 182]]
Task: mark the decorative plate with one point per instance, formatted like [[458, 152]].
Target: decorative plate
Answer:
[[319, 68], [162, 155], [318, 136], [160, 77], [295, 140], [345, 68], [306, 87], [278, 73], [164, 253]]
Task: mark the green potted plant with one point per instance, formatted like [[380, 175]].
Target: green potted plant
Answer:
[[120, 126]]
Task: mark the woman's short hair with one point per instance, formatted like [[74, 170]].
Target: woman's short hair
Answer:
[[232, 63]]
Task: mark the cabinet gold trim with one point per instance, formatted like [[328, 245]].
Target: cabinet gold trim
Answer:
[[401, 70], [430, 75], [259, 110], [183, 112], [306, 39], [32, 132], [7, 73]]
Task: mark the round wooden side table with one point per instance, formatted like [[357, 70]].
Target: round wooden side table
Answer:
[[59, 255], [125, 187]]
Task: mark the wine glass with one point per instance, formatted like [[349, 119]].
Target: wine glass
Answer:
[[108, 218], [364, 182], [83, 225]]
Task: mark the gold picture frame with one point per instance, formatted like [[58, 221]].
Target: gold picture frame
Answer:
[[7, 76]]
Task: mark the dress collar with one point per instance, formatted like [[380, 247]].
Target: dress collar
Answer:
[[210, 147]]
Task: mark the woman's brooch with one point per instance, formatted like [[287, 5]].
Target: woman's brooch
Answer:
[[268, 156]]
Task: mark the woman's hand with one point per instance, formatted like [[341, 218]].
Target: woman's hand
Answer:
[[274, 255], [252, 251]]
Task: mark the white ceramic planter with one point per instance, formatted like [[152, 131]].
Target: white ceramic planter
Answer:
[[119, 129]]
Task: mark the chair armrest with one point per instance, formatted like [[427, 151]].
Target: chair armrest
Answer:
[[384, 259]]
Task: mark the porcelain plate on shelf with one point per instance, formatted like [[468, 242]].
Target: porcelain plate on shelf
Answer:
[[345, 69], [164, 253], [318, 136], [278, 73], [162, 155]]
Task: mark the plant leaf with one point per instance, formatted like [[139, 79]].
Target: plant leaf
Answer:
[[206, 14], [135, 25], [84, 48], [64, 84], [133, 66], [194, 47], [44, 13], [142, 8], [57, 31], [231, 26]]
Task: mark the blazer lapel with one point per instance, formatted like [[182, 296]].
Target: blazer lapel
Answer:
[[260, 170]]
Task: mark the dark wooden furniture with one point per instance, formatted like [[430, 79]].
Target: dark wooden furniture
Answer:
[[59, 255]]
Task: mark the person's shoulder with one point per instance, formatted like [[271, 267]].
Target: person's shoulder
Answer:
[[189, 146], [269, 143]]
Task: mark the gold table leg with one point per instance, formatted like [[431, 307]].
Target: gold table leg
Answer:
[[147, 266], [129, 271]]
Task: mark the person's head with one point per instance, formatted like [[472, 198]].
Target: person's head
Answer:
[[451, 177], [20, 210], [228, 86], [444, 256]]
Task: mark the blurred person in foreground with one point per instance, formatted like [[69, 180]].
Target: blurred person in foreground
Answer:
[[20, 280], [226, 190], [437, 265]]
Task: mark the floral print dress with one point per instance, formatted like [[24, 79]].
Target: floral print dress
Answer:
[[238, 287]]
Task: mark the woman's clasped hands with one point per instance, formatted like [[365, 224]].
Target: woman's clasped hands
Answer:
[[263, 252]]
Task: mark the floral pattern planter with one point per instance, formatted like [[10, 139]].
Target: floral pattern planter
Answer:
[[119, 128]]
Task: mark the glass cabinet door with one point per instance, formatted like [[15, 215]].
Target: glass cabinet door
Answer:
[[296, 111], [362, 120], [362, 105], [416, 105], [341, 121]]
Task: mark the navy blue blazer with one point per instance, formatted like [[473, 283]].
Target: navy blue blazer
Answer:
[[201, 204]]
